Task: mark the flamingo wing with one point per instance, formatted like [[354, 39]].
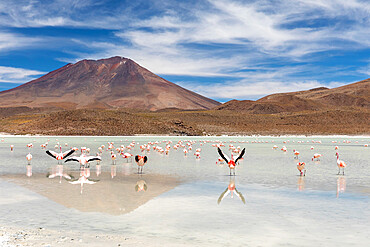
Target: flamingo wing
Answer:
[[223, 195], [68, 153], [92, 158], [136, 188], [52, 153], [222, 155], [240, 195], [241, 155], [145, 159], [137, 158], [73, 158]]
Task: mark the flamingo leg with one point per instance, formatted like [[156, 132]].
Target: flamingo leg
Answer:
[[338, 171]]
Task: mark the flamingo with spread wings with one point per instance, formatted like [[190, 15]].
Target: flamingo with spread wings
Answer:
[[232, 164], [83, 159], [140, 160], [60, 156]]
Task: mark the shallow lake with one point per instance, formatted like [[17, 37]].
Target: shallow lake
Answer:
[[181, 199]]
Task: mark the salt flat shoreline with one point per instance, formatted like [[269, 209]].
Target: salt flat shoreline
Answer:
[[34, 237], [3, 135], [15, 236]]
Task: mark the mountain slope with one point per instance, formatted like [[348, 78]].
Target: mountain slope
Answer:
[[355, 95], [106, 83]]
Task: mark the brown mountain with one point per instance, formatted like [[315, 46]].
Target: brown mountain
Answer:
[[355, 95], [106, 83]]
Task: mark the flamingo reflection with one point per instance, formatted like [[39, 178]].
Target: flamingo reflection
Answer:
[[84, 178], [98, 169], [113, 171], [300, 183], [57, 171], [341, 185], [29, 171], [230, 190], [141, 185]]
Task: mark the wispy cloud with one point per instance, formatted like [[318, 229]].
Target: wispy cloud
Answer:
[[17, 75], [244, 89], [11, 41]]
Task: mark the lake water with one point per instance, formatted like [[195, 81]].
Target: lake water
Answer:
[[183, 203]]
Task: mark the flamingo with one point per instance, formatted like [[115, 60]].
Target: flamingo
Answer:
[[340, 164], [113, 157], [127, 156], [83, 159], [296, 153], [11, 147], [29, 158], [231, 189], [316, 156], [300, 167], [60, 156], [220, 160], [140, 160], [231, 162]]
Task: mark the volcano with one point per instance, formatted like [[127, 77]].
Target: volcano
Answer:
[[115, 82]]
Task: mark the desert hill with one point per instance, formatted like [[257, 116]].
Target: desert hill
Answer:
[[106, 83], [355, 95]]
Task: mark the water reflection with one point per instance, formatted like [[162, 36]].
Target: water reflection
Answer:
[[341, 185], [231, 189], [29, 171], [98, 169], [58, 171], [113, 171], [300, 183], [84, 178], [141, 185]]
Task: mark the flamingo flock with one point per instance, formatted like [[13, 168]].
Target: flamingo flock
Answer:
[[189, 148]]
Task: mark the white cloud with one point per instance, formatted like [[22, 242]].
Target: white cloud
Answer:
[[17, 75], [244, 89], [11, 41]]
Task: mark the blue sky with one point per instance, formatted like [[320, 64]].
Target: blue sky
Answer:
[[223, 49]]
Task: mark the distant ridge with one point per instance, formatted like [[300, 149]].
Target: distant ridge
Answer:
[[115, 82], [355, 95]]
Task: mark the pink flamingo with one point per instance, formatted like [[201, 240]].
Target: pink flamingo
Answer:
[[300, 167], [60, 156], [231, 162], [29, 158], [140, 160], [316, 156], [296, 154], [340, 164], [83, 159]]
